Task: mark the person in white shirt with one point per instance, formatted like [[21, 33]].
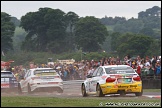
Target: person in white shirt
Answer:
[[89, 71], [147, 64]]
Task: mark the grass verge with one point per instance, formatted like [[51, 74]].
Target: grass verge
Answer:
[[29, 101]]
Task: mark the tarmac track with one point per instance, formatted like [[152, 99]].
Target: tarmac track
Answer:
[[72, 89]]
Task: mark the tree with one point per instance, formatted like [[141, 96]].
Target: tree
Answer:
[[134, 44], [89, 34], [19, 36], [56, 32], [71, 19], [7, 32], [114, 37], [33, 23], [113, 21], [154, 11], [151, 17], [15, 21], [140, 44], [106, 46], [147, 31], [132, 25], [46, 30], [155, 48]]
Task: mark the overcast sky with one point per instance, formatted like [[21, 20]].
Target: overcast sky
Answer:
[[99, 9]]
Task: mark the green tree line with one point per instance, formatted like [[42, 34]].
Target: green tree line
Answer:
[[56, 32]]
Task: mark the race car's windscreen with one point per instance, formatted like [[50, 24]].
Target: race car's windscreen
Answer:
[[119, 70], [45, 72], [6, 74]]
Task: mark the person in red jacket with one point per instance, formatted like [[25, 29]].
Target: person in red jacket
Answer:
[[139, 69]]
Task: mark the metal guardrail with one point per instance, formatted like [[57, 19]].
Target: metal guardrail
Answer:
[[73, 82]]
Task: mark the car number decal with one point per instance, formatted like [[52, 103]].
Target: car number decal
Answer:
[[127, 80]]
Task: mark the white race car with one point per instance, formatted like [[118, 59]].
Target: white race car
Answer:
[[112, 79], [41, 80]]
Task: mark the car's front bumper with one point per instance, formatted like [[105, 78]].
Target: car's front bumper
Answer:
[[13, 87], [110, 88]]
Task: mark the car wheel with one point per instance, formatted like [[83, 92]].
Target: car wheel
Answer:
[[99, 92], [29, 89], [122, 93], [83, 89], [60, 91], [139, 93], [19, 89]]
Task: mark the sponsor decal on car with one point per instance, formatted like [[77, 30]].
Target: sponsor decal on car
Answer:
[[126, 86], [45, 74]]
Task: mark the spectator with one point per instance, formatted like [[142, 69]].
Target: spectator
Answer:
[[147, 64], [103, 61], [9, 68], [99, 63], [133, 64], [65, 73], [118, 60], [139, 69], [153, 62], [158, 69], [138, 60]]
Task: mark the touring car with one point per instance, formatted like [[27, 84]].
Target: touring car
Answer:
[[112, 79], [8, 82], [41, 80]]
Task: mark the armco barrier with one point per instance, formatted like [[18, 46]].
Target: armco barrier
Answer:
[[151, 83], [146, 83]]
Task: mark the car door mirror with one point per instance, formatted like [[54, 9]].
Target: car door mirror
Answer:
[[89, 76]]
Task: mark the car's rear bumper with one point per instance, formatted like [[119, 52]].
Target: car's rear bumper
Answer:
[[46, 87], [115, 88]]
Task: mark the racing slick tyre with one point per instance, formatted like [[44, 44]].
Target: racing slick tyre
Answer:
[[99, 91], [139, 93], [60, 91], [83, 89], [29, 89], [19, 89], [122, 93]]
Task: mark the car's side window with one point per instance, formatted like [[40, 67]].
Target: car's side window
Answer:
[[100, 72], [95, 72]]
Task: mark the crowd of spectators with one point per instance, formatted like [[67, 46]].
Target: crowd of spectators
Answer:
[[145, 66], [79, 70]]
